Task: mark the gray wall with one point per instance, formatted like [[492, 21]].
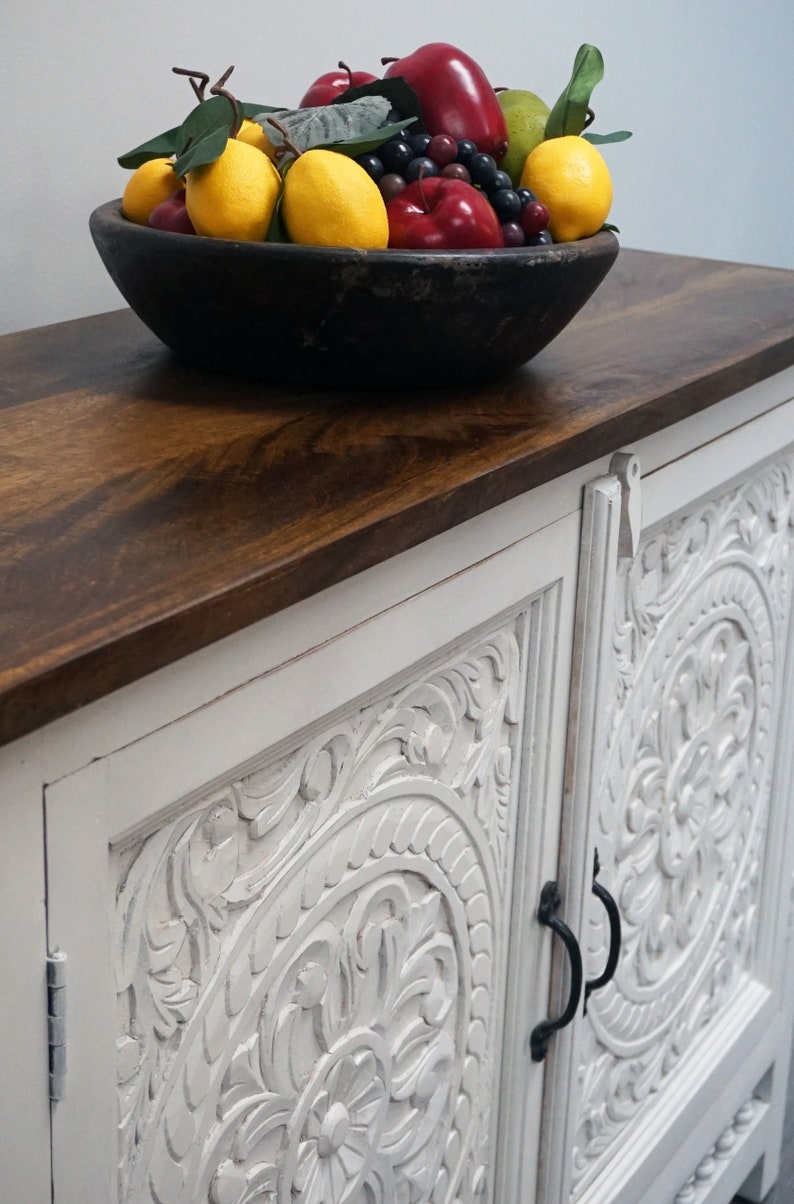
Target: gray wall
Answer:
[[707, 87]]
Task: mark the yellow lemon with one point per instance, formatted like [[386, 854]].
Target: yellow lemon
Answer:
[[252, 132], [572, 180], [235, 196], [151, 183], [330, 201]]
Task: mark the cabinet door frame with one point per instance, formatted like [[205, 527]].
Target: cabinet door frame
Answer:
[[118, 796], [678, 480]]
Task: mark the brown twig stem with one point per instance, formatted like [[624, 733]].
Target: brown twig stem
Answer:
[[219, 89], [198, 88]]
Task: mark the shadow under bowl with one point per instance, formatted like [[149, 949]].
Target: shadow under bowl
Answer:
[[348, 318]]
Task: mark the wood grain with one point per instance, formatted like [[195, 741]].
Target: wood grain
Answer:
[[148, 508]]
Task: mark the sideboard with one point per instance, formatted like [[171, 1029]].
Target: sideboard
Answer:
[[396, 788]]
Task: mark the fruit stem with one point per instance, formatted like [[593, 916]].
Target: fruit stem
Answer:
[[393, 59], [344, 67], [289, 146], [219, 89], [193, 76], [589, 119]]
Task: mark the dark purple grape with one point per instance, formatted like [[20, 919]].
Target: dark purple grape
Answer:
[[500, 181], [513, 234], [543, 239], [418, 143], [466, 148], [442, 149], [506, 204], [423, 167], [526, 195], [456, 171], [395, 155], [391, 185], [372, 165], [483, 169]]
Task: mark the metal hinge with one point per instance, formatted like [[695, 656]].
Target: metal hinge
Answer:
[[56, 1022]]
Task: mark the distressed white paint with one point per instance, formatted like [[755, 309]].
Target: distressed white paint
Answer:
[[689, 832], [161, 799]]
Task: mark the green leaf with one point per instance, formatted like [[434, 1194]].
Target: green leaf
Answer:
[[199, 122], [399, 94], [162, 146], [328, 125], [277, 231], [359, 146], [600, 139], [203, 134], [206, 149], [249, 108], [609, 226], [569, 114]]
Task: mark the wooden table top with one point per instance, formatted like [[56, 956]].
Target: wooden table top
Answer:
[[148, 509]]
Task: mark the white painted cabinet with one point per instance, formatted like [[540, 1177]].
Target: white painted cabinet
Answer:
[[673, 1081], [296, 876], [289, 982]]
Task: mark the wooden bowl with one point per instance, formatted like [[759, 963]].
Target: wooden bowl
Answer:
[[355, 319]]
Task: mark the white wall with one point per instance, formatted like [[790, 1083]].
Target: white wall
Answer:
[[707, 86]]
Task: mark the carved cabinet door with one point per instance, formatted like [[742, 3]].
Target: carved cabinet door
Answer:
[[298, 969], [668, 1089]]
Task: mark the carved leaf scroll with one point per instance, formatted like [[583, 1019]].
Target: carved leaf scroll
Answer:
[[308, 958]]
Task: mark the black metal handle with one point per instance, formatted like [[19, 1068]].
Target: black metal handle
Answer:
[[542, 1034], [613, 915]]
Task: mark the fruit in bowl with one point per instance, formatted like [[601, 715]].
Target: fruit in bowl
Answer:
[[434, 113], [373, 240]]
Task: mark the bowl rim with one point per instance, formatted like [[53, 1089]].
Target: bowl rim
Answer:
[[109, 216]]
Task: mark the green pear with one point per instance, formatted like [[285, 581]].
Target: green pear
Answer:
[[525, 117]]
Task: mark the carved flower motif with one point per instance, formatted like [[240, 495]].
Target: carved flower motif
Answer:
[[686, 792], [346, 1093], [342, 1118]]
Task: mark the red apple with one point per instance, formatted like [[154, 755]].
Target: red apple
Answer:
[[438, 213], [333, 84], [171, 214]]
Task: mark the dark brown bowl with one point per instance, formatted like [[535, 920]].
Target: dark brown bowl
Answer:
[[357, 319]]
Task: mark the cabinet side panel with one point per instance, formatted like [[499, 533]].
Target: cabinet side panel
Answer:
[[24, 1150]]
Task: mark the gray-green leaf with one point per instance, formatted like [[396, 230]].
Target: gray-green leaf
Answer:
[[569, 114], [327, 125]]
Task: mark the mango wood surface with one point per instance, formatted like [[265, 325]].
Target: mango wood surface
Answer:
[[147, 508]]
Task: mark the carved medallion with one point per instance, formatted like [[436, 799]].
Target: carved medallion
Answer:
[[309, 959], [702, 614]]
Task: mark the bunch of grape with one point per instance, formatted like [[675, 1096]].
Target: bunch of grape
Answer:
[[406, 157]]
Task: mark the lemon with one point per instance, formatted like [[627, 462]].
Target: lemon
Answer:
[[525, 117], [572, 180], [252, 132], [330, 201], [233, 197], [151, 183]]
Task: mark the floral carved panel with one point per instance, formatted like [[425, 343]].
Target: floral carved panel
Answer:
[[699, 643], [309, 958]]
